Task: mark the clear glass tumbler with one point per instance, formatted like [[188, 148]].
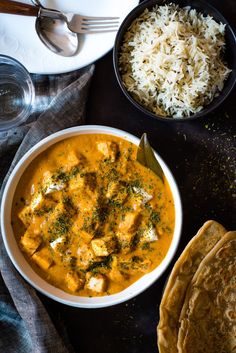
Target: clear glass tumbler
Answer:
[[16, 93]]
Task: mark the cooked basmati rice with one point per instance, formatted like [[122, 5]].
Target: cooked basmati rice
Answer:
[[170, 60]]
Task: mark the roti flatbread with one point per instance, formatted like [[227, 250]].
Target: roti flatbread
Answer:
[[181, 275], [208, 316]]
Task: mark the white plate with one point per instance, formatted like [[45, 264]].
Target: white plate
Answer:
[[19, 39]]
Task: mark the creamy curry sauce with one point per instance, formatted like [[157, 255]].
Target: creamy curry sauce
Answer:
[[89, 218]]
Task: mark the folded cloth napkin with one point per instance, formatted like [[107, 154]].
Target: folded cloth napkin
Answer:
[[25, 325]]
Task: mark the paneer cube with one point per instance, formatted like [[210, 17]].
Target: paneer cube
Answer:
[[72, 160], [85, 256], [25, 215], [30, 242], [103, 246], [75, 159], [58, 210], [43, 258], [129, 223], [149, 235], [36, 202], [78, 182], [54, 186], [115, 274], [96, 283], [84, 202], [108, 149], [86, 237], [51, 218], [142, 266], [59, 244], [86, 181], [144, 195], [135, 202], [73, 281], [50, 185], [117, 191], [125, 240]]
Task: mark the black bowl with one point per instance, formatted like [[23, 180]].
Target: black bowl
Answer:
[[229, 55]]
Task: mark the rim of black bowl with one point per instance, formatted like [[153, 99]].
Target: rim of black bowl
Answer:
[[230, 38]]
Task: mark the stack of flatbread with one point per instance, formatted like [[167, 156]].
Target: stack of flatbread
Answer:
[[198, 308]]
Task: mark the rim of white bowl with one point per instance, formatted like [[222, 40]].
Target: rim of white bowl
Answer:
[[24, 268]]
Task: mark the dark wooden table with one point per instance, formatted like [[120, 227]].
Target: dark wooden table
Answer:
[[202, 156]]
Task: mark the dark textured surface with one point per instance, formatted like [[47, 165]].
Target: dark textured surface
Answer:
[[201, 155]]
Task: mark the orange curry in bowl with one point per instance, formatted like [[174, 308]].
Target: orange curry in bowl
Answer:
[[89, 218]]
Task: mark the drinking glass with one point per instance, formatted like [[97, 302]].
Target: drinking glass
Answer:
[[16, 93]]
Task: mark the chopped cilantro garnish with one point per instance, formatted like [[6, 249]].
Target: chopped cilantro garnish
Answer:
[[106, 263], [61, 225], [155, 217]]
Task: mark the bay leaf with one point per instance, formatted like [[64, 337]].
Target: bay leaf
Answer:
[[146, 157]]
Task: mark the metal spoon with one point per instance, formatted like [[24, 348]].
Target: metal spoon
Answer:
[[54, 33]]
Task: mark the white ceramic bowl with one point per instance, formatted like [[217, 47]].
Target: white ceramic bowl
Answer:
[[23, 266]]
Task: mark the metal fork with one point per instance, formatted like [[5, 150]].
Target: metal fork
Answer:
[[90, 24], [85, 24]]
